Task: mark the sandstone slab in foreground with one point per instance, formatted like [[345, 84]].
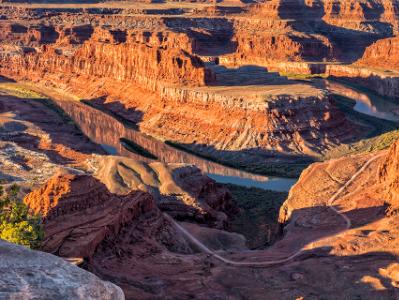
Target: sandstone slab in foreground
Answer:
[[27, 274]]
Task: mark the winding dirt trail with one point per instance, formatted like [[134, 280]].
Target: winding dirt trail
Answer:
[[330, 202]]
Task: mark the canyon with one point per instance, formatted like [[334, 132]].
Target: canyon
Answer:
[[146, 137], [126, 239]]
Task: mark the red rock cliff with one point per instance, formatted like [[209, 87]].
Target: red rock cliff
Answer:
[[79, 213], [389, 175], [383, 54], [112, 54]]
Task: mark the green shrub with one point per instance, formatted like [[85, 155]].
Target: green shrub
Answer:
[[17, 224]]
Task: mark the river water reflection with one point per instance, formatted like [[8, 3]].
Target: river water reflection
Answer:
[[371, 105], [105, 130]]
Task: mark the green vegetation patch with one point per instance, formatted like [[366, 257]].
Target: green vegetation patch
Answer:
[[269, 168], [258, 216], [378, 126], [16, 90], [302, 76], [380, 136], [136, 148], [17, 224]]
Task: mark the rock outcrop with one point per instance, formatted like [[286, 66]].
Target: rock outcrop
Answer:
[[125, 69], [79, 213], [369, 246], [388, 175], [374, 191], [323, 27], [377, 69], [384, 54], [381, 180], [113, 54], [179, 189], [28, 274], [385, 83]]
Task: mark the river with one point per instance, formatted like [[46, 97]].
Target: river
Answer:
[[107, 131], [368, 104]]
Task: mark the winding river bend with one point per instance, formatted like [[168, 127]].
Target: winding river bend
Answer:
[[368, 104], [107, 131]]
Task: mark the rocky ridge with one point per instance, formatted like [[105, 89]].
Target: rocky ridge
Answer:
[[79, 213], [82, 69], [369, 202], [387, 175], [288, 40], [181, 190], [383, 55]]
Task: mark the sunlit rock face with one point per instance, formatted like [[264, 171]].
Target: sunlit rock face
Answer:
[[181, 190], [80, 214], [125, 63], [124, 70], [381, 177], [115, 54], [382, 54], [129, 61], [200, 75], [388, 175]]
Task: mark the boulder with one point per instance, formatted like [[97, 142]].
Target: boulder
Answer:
[[28, 274]]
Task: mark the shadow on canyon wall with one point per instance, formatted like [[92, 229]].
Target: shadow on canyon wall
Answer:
[[319, 275], [211, 37], [306, 225], [319, 272], [350, 43], [254, 160], [314, 273], [380, 85], [48, 118], [6, 79], [246, 75], [129, 116]]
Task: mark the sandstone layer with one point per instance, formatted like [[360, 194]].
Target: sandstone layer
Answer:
[[141, 251], [383, 55], [385, 83], [79, 213], [122, 70], [387, 175], [202, 78], [377, 69], [368, 201]]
